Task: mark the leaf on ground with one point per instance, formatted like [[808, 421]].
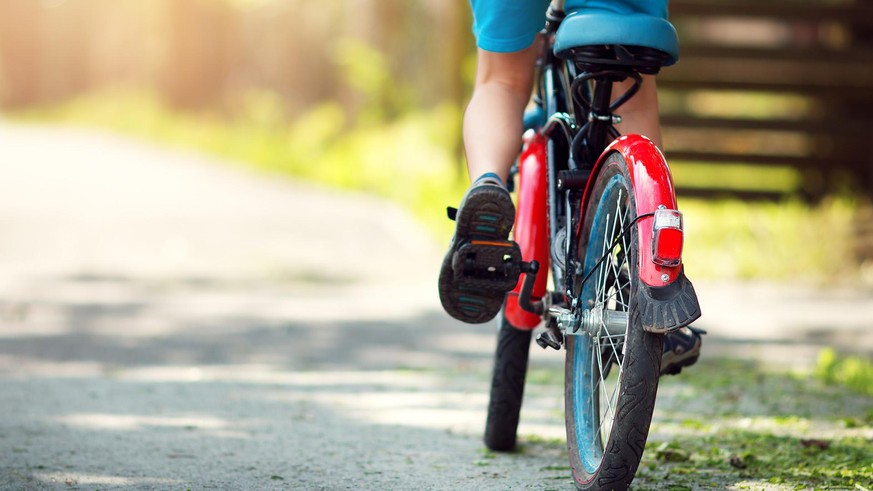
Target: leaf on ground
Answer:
[[819, 444], [669, 452], [737, 462]]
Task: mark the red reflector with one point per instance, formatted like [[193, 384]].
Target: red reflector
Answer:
[[667, 238]]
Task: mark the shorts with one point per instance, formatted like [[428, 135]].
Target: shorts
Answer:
[[506, 26]]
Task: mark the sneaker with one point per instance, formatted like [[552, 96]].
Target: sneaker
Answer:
[[486, 213], [681, 349]]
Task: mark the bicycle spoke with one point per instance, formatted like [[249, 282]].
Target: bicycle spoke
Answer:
[[623, 266], [612, 399], [602, 277], [595, 390], [607, 398], [608, 249], [604, 415], [618, 254], [612, 349], [613, 285]]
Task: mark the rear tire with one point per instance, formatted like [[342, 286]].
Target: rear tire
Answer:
[[507, 386], [610, 379]]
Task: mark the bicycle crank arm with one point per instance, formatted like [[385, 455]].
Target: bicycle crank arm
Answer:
[[530, 271]]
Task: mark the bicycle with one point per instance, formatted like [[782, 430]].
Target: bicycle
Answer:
[[598, 210]]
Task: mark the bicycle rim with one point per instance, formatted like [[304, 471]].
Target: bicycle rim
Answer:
[[609, 395]]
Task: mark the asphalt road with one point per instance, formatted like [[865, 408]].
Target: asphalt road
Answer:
[[169, 321]]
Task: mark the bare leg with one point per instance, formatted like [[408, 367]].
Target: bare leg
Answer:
[[492, 137], [493, 121], [640, 114]]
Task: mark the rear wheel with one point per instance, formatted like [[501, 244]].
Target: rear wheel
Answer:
[[611, 371], [507, 386]]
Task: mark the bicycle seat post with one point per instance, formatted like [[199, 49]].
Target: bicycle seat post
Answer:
[[600, 117]]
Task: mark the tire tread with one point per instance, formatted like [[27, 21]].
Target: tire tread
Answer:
[[507, 387]]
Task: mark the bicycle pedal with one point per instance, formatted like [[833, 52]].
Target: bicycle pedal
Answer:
[[489, 265], [550, 338]]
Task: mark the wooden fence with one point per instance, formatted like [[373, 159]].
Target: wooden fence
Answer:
[[776, 85]]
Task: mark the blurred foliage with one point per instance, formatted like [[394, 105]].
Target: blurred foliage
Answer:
[[340, 97], [791, 240], [366, 71], [408, 160], [852, 372], [206, 54]]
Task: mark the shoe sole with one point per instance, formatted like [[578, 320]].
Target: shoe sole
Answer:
[[486, 213], [672, 364], [675, 367]]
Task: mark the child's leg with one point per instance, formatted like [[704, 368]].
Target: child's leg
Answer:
[[493, 121], [640, 114], [493, 125]]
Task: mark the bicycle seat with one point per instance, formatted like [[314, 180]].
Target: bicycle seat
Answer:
[[604, 28]]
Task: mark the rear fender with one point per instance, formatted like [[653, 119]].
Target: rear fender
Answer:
[[666, 297]]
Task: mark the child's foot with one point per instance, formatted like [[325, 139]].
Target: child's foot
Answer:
[[485, 216], [681, 349]]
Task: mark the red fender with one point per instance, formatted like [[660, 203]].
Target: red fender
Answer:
[[652, 187], [531, 226]]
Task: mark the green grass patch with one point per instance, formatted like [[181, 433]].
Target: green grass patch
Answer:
[[717, 391], [853, 372], [734, 456], [735, 424]]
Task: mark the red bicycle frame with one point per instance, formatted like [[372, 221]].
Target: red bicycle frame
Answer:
[[531, 226]]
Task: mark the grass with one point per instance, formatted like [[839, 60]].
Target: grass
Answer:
[[412, 160], [734, 424], [752, 460], [852, 372]]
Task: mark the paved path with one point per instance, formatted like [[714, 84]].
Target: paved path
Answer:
[[171, 322]]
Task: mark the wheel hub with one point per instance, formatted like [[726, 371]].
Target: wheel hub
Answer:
[[595, 322]]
